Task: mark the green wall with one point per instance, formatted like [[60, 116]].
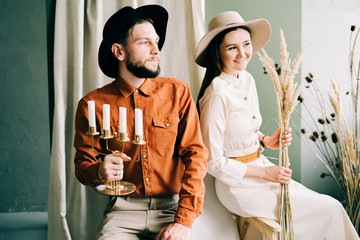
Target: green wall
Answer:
[[285, 14], [24, 107]]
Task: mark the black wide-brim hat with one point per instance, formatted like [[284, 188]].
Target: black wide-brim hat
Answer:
[[119, 23]]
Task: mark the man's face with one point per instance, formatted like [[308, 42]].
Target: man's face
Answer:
[[142, 51]]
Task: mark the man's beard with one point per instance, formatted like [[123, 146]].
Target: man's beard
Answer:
[[139, 70]]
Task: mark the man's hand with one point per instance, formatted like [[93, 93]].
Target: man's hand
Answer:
[[175, 231], [112, 167]]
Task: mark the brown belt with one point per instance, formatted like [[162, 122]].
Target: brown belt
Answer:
[[250, 157]]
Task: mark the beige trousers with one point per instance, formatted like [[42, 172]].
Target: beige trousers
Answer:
[[133, 218]]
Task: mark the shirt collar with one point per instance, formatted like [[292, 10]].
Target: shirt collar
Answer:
[[234, 81], [147, 86], [126, 89]]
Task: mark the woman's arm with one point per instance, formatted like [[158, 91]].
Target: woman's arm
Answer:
[[213, 120], [272, 141], [272, 174]]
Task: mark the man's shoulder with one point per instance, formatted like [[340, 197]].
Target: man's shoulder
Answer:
[[169, 83], [106, 89], [166, 87], [168, 80]]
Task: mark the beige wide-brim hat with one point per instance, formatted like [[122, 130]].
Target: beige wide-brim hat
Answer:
[[260, 33]]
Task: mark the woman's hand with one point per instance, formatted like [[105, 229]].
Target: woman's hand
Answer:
[[277, 174], [272, 141]]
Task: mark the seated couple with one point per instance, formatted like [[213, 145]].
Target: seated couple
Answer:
[[180, 148]]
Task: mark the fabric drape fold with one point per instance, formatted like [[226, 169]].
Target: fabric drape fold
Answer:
[[76, 210]]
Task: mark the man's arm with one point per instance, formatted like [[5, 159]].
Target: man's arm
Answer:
[[86, 160], [193, 154]]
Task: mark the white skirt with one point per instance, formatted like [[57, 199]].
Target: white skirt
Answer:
[[315, 216]]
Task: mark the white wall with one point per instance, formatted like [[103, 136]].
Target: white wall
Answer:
[[326, 27]]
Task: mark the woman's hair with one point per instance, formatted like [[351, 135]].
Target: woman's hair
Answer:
[[214, 65]]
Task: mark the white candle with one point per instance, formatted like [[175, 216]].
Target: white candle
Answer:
[[122, 119], [91, 112], [138, 122], [106, 117]]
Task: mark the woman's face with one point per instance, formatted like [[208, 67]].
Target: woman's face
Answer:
[[235, 51]]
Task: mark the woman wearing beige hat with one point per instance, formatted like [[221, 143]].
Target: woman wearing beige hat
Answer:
[[246, 181]]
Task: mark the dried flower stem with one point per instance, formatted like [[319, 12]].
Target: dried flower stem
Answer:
[[355, 90]]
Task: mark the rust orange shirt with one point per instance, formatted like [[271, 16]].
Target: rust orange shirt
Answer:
[[174, 158]]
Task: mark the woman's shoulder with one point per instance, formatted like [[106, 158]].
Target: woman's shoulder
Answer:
[[246, 75], [217, 91], [217, 88], [219, 84]]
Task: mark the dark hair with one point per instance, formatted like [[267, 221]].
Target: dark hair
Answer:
[[125, 35], [215, 65]]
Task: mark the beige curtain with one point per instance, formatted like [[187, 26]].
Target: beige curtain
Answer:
[[75, 210]]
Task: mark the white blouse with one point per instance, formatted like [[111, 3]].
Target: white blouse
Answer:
[[230, 120]]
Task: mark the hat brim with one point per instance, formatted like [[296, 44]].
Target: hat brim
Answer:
[[260, 34], [107, 61]]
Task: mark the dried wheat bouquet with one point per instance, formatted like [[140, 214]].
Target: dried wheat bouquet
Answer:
[[287, 94]]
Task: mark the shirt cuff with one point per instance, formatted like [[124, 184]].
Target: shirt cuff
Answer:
[[88, 175], [190, 206], [185, 217]]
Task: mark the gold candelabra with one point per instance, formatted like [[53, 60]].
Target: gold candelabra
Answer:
[[116, 187]]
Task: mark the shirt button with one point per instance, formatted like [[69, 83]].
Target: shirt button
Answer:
[[254, 117], [245, 98], [144, 155], [136, 90], [167, 124], [147, 179]]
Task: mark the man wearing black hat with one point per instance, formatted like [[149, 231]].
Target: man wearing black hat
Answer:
[[169, 178]]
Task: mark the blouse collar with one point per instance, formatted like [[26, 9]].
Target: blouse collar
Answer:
[[234, 81]]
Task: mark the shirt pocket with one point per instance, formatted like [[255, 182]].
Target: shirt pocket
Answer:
[[165, 128]]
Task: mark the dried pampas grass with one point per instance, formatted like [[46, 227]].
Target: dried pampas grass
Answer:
[[341, 153], [287, 95]]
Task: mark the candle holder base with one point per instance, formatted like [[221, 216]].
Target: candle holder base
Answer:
[[123, 138], [124, 188], [92, 131], [138, 140], [106, 134]]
